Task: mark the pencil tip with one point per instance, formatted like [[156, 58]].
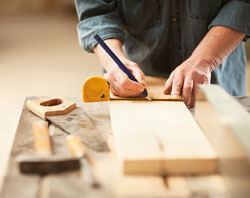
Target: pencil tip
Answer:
[[148, 97]]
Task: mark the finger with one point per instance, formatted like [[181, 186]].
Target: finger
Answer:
[[187, 90], [205, 80], [125, 92], [138, 74], [110, 77], [177, 85], [114, 91], [193, 96], [168, 84], [128, 84]]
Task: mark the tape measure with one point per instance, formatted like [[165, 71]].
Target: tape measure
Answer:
[[95, 89]]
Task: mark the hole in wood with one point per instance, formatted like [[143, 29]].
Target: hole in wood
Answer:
[[52, 102]]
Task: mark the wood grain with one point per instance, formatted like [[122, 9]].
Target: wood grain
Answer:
[[107, 167], [23, 143], [227, 124], [77, 122], [160, 138], [108, 170]]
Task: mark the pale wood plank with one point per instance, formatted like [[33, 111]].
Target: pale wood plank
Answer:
[[226, 124], [139, 126], [108, 170]]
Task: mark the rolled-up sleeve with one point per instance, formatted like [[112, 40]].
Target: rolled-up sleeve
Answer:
[[236, 15], [98, 17]]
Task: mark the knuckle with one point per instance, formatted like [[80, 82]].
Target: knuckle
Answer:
[[193, 74], [188, 83], [179, 71], [187, 90], [206, 78]]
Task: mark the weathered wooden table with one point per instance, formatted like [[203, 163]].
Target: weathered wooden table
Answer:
[[106, 166]]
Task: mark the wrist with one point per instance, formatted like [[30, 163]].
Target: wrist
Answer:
[[116, 46], [210, 62]]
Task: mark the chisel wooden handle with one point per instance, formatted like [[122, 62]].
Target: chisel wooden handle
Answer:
[[78, 149], [44, 107], [75, 146], [41, 137]]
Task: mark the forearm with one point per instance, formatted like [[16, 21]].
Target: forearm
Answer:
[[116, 47], [218, 43]]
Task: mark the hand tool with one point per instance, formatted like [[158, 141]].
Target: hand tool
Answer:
[[70, 119], [95, 89], [78, 149], [43, 162], [119, 63]]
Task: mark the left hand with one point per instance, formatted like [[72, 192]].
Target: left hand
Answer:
[[184, 79]]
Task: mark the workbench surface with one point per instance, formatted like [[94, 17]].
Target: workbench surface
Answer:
[[106, 166]]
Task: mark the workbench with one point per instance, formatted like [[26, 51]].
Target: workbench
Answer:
[[106, 166]]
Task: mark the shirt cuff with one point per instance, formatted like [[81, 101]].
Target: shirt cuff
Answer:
[[108, 30], [236, 15]]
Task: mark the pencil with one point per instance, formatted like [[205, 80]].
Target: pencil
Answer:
[[118, 61]]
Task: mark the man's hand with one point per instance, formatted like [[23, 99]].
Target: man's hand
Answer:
[[184, 79], [120, 84], [218, 43]]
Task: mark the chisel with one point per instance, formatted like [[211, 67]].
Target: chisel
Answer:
[[79, 150]]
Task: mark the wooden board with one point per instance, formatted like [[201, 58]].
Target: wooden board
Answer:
[[155, 88], [108, 169], [227, 125], [160, 137]]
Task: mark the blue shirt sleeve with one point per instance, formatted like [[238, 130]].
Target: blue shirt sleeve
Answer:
[[98, 17], [236, 15]]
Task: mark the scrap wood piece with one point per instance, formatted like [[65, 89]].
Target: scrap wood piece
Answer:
[[138, 127]]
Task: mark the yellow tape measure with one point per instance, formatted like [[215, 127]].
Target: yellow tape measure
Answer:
[[95, 89]]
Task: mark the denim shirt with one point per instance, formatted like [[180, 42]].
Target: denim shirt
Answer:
[[160, 34]]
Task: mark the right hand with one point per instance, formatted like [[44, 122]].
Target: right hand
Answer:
[[121, 85]]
